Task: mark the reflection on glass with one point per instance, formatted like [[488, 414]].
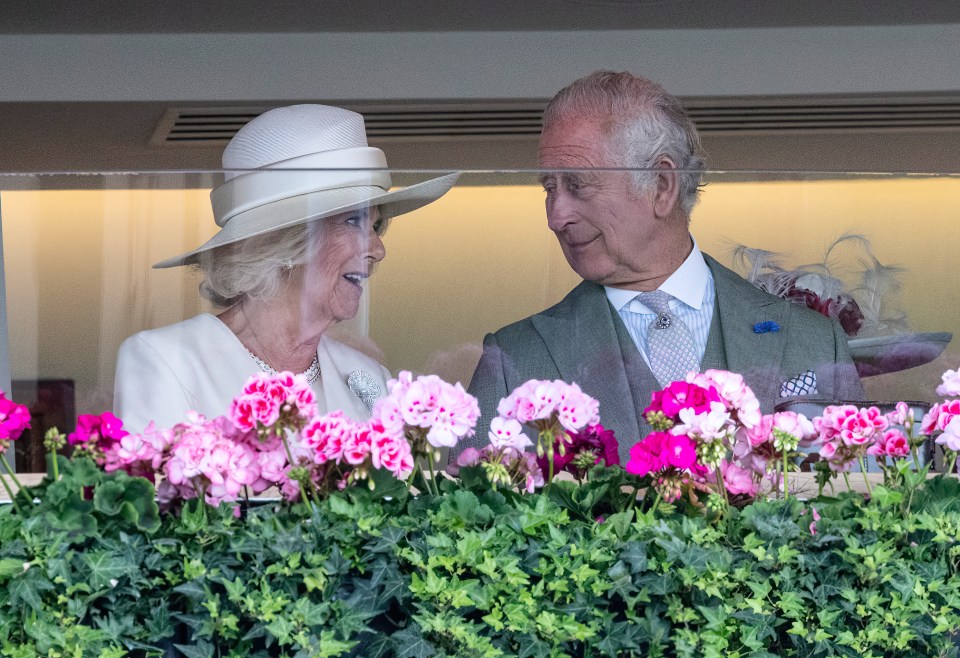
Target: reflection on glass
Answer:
[[78, 253]]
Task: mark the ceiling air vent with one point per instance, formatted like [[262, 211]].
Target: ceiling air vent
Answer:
[[799, 115], [421, 122], [444, 121]]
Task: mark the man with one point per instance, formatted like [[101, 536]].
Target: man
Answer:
[[627, 232]]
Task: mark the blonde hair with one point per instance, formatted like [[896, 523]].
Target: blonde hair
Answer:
[[256, 267]]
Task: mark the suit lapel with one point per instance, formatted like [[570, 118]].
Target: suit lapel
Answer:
[[740, 307], [581, 337]]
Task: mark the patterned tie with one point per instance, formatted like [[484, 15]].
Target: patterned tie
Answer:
[[670, 346]]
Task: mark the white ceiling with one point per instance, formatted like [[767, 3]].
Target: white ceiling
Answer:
[[178, 16]]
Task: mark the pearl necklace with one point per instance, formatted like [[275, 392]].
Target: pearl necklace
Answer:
[[312, 373]]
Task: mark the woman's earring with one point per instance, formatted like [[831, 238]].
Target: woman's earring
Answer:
[[289, 264]]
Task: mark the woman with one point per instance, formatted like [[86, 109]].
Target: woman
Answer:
[[298, 238]]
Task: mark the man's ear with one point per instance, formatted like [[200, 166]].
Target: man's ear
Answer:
[[667, 193]]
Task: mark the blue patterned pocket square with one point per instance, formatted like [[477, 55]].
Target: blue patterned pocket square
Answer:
[[803, 384]]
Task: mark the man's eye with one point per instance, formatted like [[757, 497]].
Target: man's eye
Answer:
[[380, 226], [355, 220]]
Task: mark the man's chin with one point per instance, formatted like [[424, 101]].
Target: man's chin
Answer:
[[592, 274]]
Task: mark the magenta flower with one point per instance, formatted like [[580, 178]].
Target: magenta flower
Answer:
[[679, 451], [847, 433], [645, 455], [14, 419], [682, 395], [101, 431]]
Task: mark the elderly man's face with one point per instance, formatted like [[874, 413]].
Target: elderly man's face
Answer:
[[605, 227]]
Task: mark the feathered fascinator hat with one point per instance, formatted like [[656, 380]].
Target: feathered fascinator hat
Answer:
[[878, 335]]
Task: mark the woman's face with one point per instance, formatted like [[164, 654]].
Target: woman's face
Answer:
[[348, 247]]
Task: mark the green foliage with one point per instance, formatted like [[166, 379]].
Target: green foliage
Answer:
[[94, 570]]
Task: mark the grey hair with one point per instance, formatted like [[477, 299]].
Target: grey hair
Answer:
[[256, 267], [642, 124]]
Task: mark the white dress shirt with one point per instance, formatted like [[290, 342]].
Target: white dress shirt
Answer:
[[693, 295]]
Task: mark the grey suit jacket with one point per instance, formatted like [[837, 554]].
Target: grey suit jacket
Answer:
[[582, 340]]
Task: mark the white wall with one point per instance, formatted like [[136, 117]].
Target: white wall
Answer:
[[464, 65]]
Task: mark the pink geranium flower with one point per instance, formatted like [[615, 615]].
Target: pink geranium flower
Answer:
[[427, 408], [541, 402], [738, 480], [733, 390], [273, 402], [508, 433], [326, 436], [390, 452], [950, 437], [893, 443], [951, 384]]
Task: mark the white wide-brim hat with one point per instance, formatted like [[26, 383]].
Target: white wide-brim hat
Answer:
[[308, 162]]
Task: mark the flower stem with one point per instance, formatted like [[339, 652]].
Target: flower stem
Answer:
[[13, 498], [413, 474], [656, 503], [633, 497], [866, 480], [953, 462], [786, 469], [303, 491], [846, 478], [6, 465], [433, 476]]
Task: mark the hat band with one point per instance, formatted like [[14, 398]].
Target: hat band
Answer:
[[314, 172]]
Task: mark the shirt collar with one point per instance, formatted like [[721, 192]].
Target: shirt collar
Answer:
[[688, 283]]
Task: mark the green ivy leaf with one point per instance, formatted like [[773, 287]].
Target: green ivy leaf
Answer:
[[107, 568], [200, 649], [773, 520], [411, 644], [27, 588], [463, 509], [886, 497]]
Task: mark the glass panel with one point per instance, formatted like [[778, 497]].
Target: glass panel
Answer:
[[78, 251]]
